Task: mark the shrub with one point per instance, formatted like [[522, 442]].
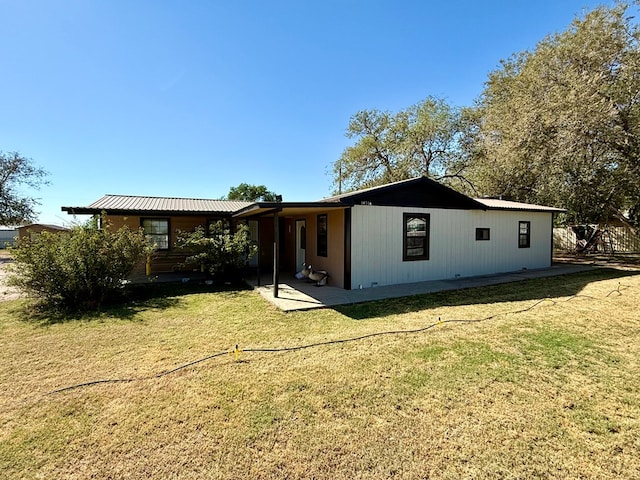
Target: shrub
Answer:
[[221, 253], [79, 269]]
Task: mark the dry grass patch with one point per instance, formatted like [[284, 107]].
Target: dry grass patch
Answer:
[[549, 392]]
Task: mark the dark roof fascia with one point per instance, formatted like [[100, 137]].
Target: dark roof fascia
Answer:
[[255, 213], [344, 197], [355, 198], [271, 207], [144, 213]]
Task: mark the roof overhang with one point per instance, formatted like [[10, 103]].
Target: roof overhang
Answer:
[[148, 213], [158, 206], [508, 205], [260, 209]]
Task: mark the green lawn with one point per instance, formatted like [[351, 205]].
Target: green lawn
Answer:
[[547, 385]]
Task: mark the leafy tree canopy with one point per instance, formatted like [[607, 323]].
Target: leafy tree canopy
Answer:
[[251, 193], [420, 140], [560, 125], [16, 171]]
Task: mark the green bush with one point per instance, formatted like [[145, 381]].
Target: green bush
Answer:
[[79, 269], [220, 253]]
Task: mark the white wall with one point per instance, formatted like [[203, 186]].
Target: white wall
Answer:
[[376, 250]]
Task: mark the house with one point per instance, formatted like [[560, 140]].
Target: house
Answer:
[[408, 231], [7, 236], [37, 228], [161, 218]]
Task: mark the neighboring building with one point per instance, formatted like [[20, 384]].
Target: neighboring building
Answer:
[[404, 232], [37, 228], [7, 236]]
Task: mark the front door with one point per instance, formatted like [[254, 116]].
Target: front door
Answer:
[[301, 243]]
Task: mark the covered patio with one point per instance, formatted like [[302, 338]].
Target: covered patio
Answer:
[[294, 294]]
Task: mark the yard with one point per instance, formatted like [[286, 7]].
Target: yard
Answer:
[[544, 383]]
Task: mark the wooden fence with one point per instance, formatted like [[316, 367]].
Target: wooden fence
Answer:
[[619, 239]]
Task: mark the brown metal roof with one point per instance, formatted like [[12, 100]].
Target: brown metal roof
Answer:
[[449, 197], [496, 204], [393, 192], [135, 203]]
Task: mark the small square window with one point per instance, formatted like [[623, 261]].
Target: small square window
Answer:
[[482, 234]]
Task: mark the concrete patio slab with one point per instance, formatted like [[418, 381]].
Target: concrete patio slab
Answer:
[[300, 295]]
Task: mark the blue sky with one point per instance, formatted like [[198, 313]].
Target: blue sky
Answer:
[[189, 98]]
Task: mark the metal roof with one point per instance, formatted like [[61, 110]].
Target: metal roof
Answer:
[[46, 225], [421, 192], [453, 195], [136, 203], [496, 204], [392, 195]]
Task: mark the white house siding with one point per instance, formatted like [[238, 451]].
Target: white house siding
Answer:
[[376, 250]]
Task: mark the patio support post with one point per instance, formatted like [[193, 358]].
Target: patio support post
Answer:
[[276, 253]]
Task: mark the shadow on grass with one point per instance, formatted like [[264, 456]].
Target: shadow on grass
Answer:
[[534, 289], [135, 299]]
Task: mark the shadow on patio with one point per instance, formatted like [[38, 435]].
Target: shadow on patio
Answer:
[[297, 294]]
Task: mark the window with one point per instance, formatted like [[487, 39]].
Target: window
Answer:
[[524, 235], [157, 231], [415, 236], [482, 234], [322, 235], [303, 237]]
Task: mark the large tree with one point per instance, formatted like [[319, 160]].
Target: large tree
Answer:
[[251, 193], [560, 125], [17, 171], [420, 140]]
